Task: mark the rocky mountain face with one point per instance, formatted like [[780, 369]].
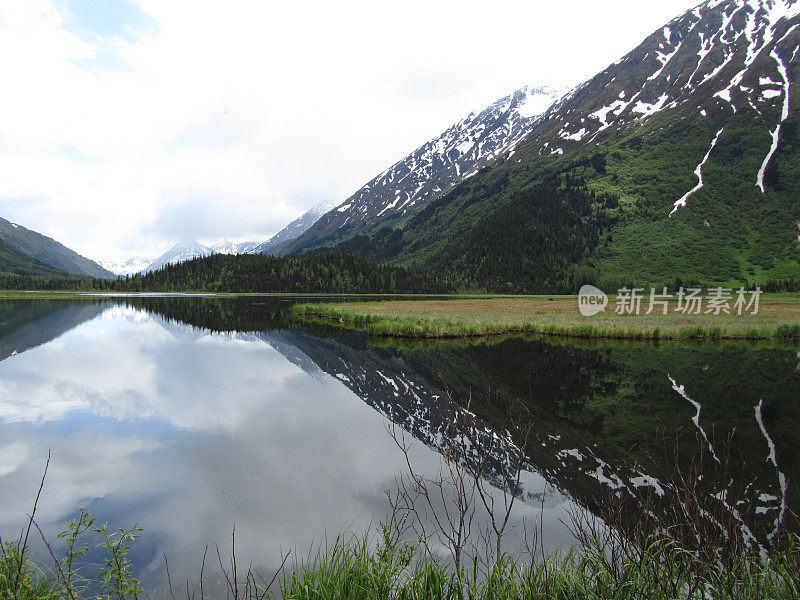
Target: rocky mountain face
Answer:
[[723, 58], [432, 169], [293, 230], [29, 253], [680, 160]]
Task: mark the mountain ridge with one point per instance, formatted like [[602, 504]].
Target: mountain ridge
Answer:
[[47, 251], [14, 262], [295, 229], [675, 162], [189, 249], [179, 252], [433, 168]]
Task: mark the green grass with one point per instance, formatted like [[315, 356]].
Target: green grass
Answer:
[[357, 569], [778, 318], [661, 572], [21, 579], [624, 556]]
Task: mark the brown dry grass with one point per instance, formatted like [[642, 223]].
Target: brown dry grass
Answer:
[[778, 317]]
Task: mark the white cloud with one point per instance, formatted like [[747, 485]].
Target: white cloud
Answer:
[[257, 109]]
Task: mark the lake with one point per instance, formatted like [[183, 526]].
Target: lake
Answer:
[[191, 416]]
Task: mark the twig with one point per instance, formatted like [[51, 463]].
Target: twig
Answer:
[[274, 577], [30, 522], [55, 560], [202, 569], [169, 579], [224, 571], [233, 562]]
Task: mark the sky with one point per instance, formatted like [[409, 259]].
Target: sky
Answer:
[[129, 125]]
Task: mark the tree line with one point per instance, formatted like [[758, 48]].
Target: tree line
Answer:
[[329, 272]]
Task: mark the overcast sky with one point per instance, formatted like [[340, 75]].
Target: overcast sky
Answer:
[[127, 125]]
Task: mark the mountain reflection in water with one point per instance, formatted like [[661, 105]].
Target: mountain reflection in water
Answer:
[[189, 415]]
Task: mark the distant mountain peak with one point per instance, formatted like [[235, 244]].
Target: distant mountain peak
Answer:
[[435, 167], [180, 252], [129, 266], [228, 247], [294, 229]]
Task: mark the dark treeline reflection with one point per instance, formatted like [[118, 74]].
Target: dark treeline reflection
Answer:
[[25, 324]]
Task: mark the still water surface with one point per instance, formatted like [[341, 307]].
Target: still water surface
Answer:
[[191, 415]]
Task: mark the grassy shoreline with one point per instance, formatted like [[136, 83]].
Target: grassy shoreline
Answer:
[[358, 568], [432, 317], [778, 318]]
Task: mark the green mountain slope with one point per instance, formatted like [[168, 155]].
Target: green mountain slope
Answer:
[[48, 251], [14, 262], [598, 191]]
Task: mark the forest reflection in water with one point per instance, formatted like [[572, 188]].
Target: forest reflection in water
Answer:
[[188, 415]]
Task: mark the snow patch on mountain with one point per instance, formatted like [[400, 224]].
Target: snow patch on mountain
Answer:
[[130, 266], [776, 134], [294, 229], [180, 252], [227, 247], [441, 163], [699, 172]]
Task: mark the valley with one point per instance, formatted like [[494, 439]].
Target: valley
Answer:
[[420, 301]]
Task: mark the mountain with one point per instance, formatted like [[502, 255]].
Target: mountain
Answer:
[[432, 169], [226, 247], [45, 251], [129, 267], [14, 262], [294, 229], [26, 325], [180, 252], [677, 162]]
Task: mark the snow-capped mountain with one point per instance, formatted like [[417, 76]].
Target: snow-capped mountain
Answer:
[[184, 251], [227, 247], [435, 167], [678, 160], [723, 58], [129, 267], [180, 252], [294, 229]]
